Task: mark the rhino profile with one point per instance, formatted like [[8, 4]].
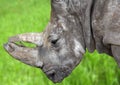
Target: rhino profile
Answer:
[[74, 26]]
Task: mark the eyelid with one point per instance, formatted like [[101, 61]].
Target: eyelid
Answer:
[[57, 1], [53, 38]]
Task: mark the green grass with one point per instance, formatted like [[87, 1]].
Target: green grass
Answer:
[[20, 16]]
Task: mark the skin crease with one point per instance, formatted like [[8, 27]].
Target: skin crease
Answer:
[[74, 26]]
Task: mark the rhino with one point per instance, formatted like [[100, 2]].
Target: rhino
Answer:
[[74, 26]]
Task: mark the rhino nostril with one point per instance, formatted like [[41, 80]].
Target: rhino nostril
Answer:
[[52, 75]]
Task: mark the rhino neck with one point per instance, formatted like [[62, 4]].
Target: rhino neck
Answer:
[[86, 20]]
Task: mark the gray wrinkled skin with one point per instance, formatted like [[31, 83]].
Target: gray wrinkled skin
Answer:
[[74, 26]]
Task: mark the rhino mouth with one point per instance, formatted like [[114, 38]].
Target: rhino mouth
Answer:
[[56, 73]]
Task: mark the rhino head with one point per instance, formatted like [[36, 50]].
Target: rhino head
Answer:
[[58, 49]]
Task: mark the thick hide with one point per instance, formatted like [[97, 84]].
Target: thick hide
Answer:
[[74, 26]]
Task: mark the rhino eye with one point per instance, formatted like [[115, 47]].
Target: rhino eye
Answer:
[[54, 41], [53, 38]]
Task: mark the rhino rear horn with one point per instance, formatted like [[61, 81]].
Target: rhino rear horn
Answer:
[[35, 38]]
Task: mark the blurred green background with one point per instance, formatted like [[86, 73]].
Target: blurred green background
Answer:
[[20, 16]]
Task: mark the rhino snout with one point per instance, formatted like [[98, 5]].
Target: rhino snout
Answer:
[[56, 73]]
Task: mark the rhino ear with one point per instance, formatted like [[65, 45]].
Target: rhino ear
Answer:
[[24, 54]]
